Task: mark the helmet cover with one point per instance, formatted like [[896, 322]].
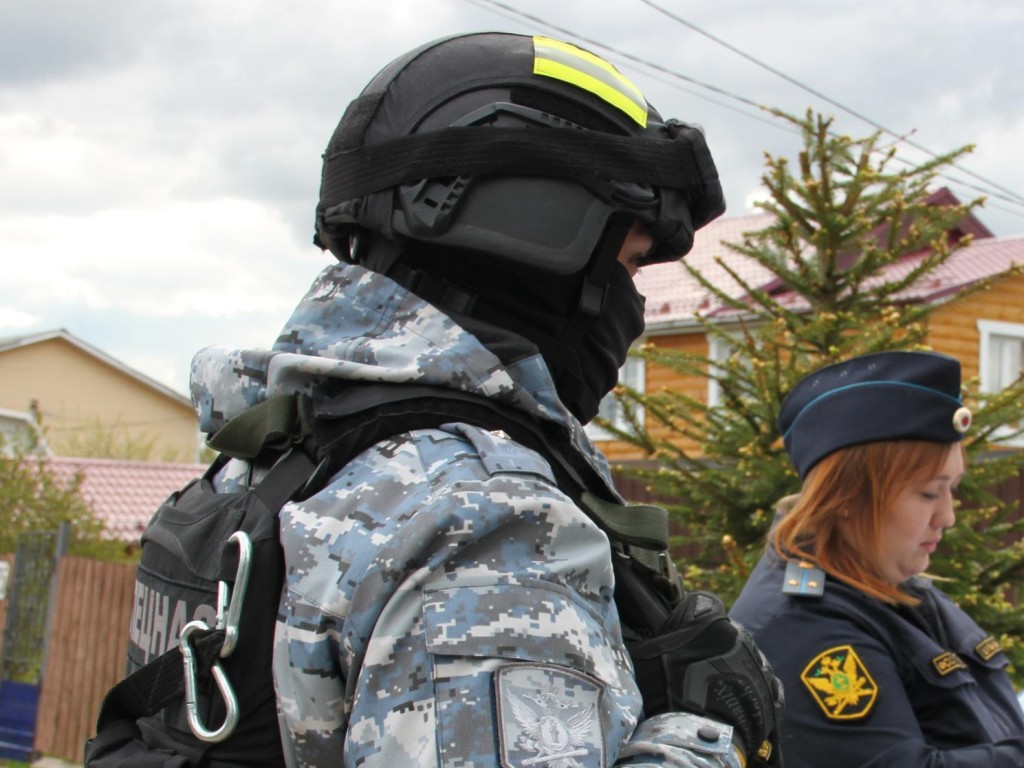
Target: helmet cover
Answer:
[[518, 147]]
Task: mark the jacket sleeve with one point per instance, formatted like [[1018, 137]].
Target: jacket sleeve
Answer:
[[846, 698], [457, 611]]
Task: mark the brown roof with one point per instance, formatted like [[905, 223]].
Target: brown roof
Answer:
[[124, 494], [674, 297]]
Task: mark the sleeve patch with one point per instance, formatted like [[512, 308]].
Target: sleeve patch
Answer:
[[548, 716], [841, 684]]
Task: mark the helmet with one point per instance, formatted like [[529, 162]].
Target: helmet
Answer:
[[521, 148], [496, 176]]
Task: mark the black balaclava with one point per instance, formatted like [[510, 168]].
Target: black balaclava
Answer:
[[584, 343], [507, 169]]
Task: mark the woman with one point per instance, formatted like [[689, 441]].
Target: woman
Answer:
[[880, 667]]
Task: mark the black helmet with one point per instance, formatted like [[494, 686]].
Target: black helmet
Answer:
[[496, 176], [451, 145]]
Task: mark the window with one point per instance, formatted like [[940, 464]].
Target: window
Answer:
[[1001, 357], [719, 349], [632, 375]]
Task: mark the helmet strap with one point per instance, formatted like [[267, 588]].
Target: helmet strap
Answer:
[[594, 289], [385, 256]]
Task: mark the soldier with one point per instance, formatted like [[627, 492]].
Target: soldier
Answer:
[[881, 668], [489, 198]]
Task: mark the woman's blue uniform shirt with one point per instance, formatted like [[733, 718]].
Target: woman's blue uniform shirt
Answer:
[[868, 684]]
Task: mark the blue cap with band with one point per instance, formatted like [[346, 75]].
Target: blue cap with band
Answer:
[[882, 396]]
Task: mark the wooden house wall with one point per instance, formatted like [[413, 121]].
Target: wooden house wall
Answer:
[[80, 394], [658, 378], [952, 330], [953, 327]]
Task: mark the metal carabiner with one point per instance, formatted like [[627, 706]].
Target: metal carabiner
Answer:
[[192, 690], [228, 613]]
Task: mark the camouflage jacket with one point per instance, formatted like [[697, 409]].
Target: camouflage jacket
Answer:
[[445, 603]]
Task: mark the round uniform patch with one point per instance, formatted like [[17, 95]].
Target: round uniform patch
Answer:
[[841, 684]]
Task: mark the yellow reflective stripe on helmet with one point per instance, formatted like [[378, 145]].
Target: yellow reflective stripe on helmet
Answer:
[[566, 62]]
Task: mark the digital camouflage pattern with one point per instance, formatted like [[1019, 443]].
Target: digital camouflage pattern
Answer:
[[445, 603]]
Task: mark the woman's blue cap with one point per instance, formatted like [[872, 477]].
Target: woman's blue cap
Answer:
[[867, 399]]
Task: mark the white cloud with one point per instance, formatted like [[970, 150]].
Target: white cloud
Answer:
[[760, 194], [212, 258], [159, 161], [15, 319]]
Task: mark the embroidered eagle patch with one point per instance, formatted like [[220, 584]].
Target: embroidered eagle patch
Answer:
[[841, 684], [549, 717]]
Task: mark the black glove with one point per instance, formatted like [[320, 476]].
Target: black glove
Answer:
[[702, 662]]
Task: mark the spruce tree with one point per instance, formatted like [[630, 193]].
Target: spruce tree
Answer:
[[840, 214]]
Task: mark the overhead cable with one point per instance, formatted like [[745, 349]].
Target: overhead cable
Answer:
[[1014, 196], [495, 6]]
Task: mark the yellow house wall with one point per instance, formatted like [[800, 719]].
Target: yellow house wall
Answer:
[[953, 327], [79, 394], [658, 378]]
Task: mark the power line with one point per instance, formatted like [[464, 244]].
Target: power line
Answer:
[[1014, 196], [507, 11], [662, 74], [759, 117], [628, 56]]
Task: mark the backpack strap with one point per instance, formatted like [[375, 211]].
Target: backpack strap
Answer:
[[160, 683], [637, 530], [639, 536], [358, 415], [362, 415]]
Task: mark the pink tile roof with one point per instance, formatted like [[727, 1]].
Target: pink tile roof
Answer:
[[981, 259], [124, 494], [674, 297]]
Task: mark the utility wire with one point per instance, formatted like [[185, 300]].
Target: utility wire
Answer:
[[1014, 196], [597, 44], [509, 12], [759, 116]]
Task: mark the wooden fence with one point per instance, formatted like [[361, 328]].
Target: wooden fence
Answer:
[[87, 652]]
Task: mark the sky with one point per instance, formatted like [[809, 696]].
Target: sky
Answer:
[[160, 159]]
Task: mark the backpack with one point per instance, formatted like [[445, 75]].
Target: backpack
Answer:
[[199, 691]]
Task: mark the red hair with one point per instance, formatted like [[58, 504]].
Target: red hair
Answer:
[[836, 521]]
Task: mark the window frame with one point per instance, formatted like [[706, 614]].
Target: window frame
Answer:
[[719, 349], [633, 374], [987, 329]]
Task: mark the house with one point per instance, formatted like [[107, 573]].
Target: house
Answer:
[[985, 331], [80, 395], [123, 494]]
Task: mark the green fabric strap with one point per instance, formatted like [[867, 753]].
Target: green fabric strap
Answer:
[[640, 531], [639, 525], [276, 423]]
